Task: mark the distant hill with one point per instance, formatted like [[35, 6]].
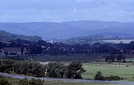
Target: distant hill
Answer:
[[96, 39], [66, 30], [6, 36]]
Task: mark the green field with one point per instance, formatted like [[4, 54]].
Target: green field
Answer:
[[97, 64], [124, 71]]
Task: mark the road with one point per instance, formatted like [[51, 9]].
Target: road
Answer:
[[65, 80]]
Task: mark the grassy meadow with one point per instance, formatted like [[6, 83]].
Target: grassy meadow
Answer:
[[123, 70], [120, 69], [93, 64]]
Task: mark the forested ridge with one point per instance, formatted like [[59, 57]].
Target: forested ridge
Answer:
[[6, 36]]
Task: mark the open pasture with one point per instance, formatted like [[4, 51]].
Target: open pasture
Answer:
[[125, 70]]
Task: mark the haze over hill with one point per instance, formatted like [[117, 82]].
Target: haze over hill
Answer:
[[70, 29], [5, 36]]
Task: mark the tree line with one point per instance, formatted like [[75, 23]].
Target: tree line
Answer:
[[34, 68], [57, 48], [115, 58], [72, 70]]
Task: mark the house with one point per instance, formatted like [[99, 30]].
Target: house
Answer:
[[14, 50]]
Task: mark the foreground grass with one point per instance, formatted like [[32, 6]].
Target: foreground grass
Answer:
[[65, 83], [107, 70], [15, 82]]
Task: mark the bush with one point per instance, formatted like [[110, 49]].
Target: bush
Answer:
[[113, 78], [99, 76], [23, 82], [4, 81], [35, 82], [31, 82]]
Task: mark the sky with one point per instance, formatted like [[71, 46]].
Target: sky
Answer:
[[66, 10]]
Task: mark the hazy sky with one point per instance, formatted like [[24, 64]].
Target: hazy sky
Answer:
[[66, 10]]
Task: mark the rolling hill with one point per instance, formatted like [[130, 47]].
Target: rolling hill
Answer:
[[70, 29], [6, 36]]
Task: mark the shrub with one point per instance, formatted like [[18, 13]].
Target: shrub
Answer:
[[35, 82], [23, 82], [113, 78], [30, 82], [99, 76], [4, 81]]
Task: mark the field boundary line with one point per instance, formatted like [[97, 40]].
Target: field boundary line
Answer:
[[16, 76]]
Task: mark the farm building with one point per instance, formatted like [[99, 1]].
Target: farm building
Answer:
[[14, 50]]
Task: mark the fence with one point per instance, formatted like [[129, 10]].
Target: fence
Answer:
[[66, 80]]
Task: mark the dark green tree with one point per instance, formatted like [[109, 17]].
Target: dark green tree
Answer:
[[29, 67], [99, 76], [39, 70], [119, 58], [56, 69], [6, 65], [74, 70]]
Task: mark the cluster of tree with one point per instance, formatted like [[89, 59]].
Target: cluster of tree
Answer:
[[111, 48], [2, 45], [43, 47], [6, 65], [75, 69], [113, 58], [56, 69], [93, 39], [60, 70], [29, 67], [34, 68], [26, 67], [99, 76]]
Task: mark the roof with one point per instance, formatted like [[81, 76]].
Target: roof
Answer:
[[5, 42], [12, 49]]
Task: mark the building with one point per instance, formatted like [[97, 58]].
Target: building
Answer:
[[14, 50]]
